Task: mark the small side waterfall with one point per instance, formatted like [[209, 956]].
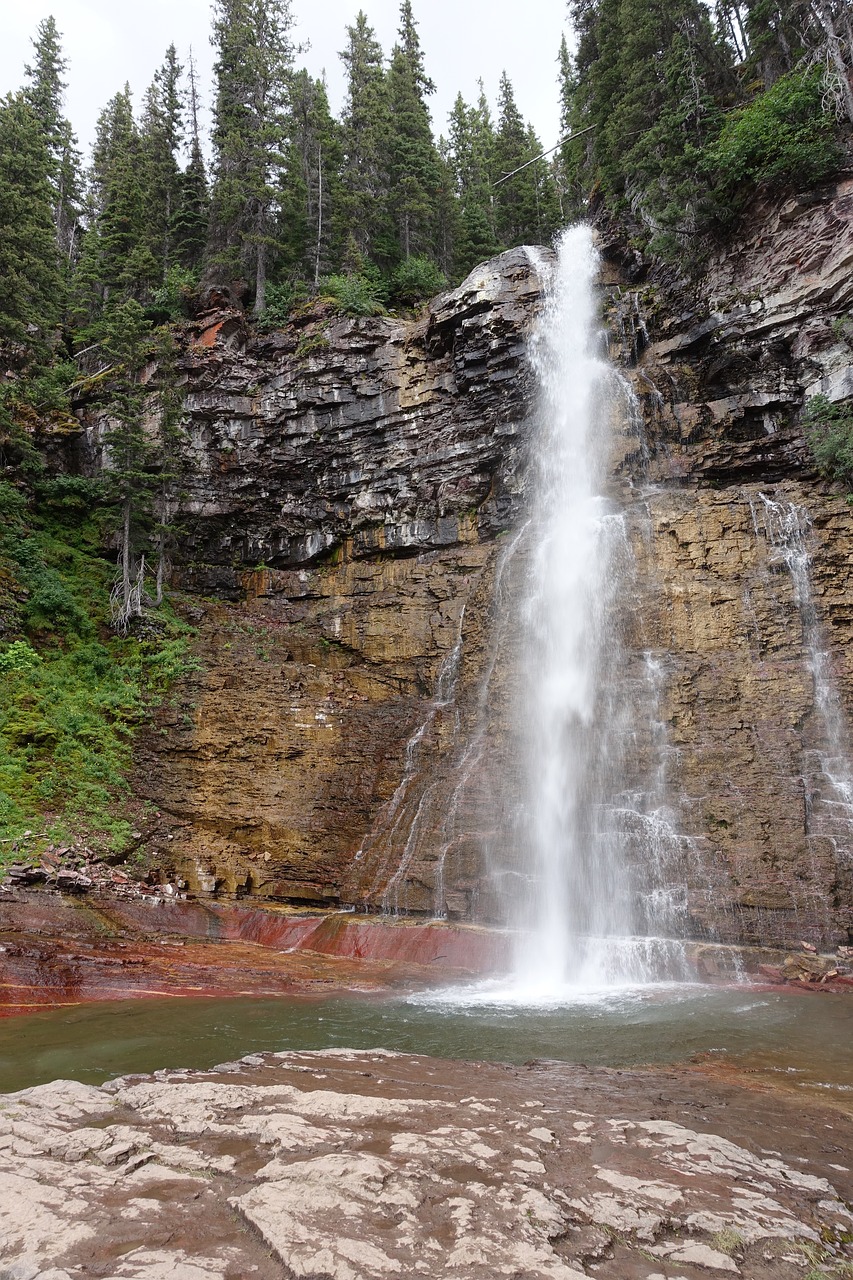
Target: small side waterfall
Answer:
[[827, 777], [584, 921]]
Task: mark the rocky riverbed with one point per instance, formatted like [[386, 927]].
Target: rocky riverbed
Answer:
[[360, 1165]]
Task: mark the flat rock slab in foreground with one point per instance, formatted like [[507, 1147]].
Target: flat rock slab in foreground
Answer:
[[362, 1165]]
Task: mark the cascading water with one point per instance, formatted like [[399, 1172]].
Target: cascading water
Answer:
[[583, 867], [827, 778], [579, 918]]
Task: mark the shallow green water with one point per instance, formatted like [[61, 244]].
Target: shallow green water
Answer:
[[808, 1038]]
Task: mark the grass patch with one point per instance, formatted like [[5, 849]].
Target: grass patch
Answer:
[[72, 692], [727, 1241]]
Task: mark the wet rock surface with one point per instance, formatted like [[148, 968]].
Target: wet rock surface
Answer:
[[357, 549], [361, 1165], [58, 950], [742, 592], [62, 950]]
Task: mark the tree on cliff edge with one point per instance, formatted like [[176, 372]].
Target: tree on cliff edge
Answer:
[[45, 94], [415, 167], [193, 212], [30, 276], [471, 142], [650, 76], [161, 135], [366, 144], [254, 67], [125, 338]]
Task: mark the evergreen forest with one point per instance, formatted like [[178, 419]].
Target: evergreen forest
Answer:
[[673, 115]]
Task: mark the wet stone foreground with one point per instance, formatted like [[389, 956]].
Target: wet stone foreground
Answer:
[[374, 1164]]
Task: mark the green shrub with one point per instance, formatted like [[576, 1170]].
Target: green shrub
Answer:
[[309, 344], [72, 693], [67, 720], [171, 300], [47, 389], [63, 496], [355, 295], [18, 657], [829, 432], [51, 606], [783, 137], [13, 504], [416, 280], [280, 301]]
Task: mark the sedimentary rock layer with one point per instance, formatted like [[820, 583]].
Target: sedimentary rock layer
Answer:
[[356, 545]]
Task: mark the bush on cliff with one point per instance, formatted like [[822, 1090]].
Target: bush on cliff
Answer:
[[355, 295], [783, 138], [416, 280], [829, 432]]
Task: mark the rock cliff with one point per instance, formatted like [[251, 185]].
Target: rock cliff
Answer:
[[355, 483], [744, 590], [356, 549]]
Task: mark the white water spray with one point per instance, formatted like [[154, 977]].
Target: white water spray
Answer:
[[578, 917]]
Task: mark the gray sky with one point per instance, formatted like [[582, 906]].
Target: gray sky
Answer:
[[110, 41]]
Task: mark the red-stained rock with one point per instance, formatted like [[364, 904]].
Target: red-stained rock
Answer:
[[59, 950]]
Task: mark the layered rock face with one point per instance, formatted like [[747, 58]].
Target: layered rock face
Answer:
[[358, 549], [356, 484], [744, 593]]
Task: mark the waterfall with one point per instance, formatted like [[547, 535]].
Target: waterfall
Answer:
[[827, 778], [580, 916]]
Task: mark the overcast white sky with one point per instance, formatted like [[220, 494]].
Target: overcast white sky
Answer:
[[110, 41]]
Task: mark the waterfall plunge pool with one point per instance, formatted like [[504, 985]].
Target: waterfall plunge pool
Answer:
[[801, 1040]]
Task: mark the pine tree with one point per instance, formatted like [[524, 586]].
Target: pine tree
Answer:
[[567, 85], [253, 76], [447, 213], [312, 182], [597, 85], [833, 21], [190, 223], [45, 94], [730, 18], [471, 140], [366, 147], [779, 36], [670, 66], [570, 160], [543, 187], [772, 33], [130, 457], [31, 286], [415, 168], [160, 139], [116, 260], [526, 205], [650, 76]]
